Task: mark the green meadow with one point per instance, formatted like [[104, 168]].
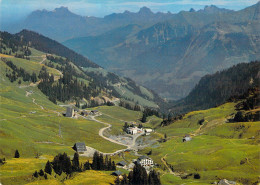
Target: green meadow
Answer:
[[218, 149]]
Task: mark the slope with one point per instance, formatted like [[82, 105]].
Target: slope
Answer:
[[213, 90], [219, 148], [104, 81]]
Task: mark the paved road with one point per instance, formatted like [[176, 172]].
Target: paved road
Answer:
[[101, 133]]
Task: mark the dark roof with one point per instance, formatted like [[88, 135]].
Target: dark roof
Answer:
[[94, 111], [117, 173], [143, 157], [122, 163], [80, 147], [69, 112]]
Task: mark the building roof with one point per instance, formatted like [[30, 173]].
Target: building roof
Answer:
[[69, 112], [80, 146], [143, 157], [122, 163], [117, 173]]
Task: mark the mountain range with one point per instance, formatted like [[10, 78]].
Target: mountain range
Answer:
[[165, 52]]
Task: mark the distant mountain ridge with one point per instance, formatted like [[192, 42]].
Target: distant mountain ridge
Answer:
[[171, 56], [166, 52]]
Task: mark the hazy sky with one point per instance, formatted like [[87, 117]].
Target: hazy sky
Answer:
[[18, 9]]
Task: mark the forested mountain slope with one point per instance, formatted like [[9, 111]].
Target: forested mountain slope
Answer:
[[75, 69], [213, 90]]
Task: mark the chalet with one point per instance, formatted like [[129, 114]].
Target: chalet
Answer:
[[80, 147], [117, 173], [121, 163], [145, 161], [186, 138], [69, 112]]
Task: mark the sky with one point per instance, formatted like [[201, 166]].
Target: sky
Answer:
[[12, 10]]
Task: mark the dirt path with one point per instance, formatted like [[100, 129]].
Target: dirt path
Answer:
[[169, 169], [37, 103], [44, 58]]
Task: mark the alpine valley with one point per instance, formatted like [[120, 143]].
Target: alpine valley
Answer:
[[131, 98]]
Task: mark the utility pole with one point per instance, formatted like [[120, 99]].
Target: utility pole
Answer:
[[60, 131]]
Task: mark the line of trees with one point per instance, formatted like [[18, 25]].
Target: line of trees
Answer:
[[129, 106], [139, 176], [19, 72], [100, 163], [63, 164], [149, 112], [67, 88]]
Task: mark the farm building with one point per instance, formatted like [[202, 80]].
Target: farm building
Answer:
[[70, 112], [121, 163], [80, 147], [186, 138], [145, 161]]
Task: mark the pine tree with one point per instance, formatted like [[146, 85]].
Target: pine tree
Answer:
[[109, 164], [94, 165], [41, 173], [35, 174], [113, 166], [87, 166], [106, 163], [143, 119], [16, 154], [48, 168], [75, 162], [101, 162]]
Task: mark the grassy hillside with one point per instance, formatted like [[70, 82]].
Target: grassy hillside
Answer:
[[218, 149], [30, 122], [36, 48]]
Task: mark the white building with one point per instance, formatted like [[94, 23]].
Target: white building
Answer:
[[134, 130], [148, 130], [145, 161]]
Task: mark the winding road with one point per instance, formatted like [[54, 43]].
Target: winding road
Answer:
[[101, 133]]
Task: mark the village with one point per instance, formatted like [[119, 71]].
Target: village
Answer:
[[132, 132]]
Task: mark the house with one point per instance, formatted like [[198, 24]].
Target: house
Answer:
[[80, 147], [186, 138], [117, 173], [84, 113], [121, 163], [94, 112], [134, 130], [148, 130], [145, 161], [70, 112]]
